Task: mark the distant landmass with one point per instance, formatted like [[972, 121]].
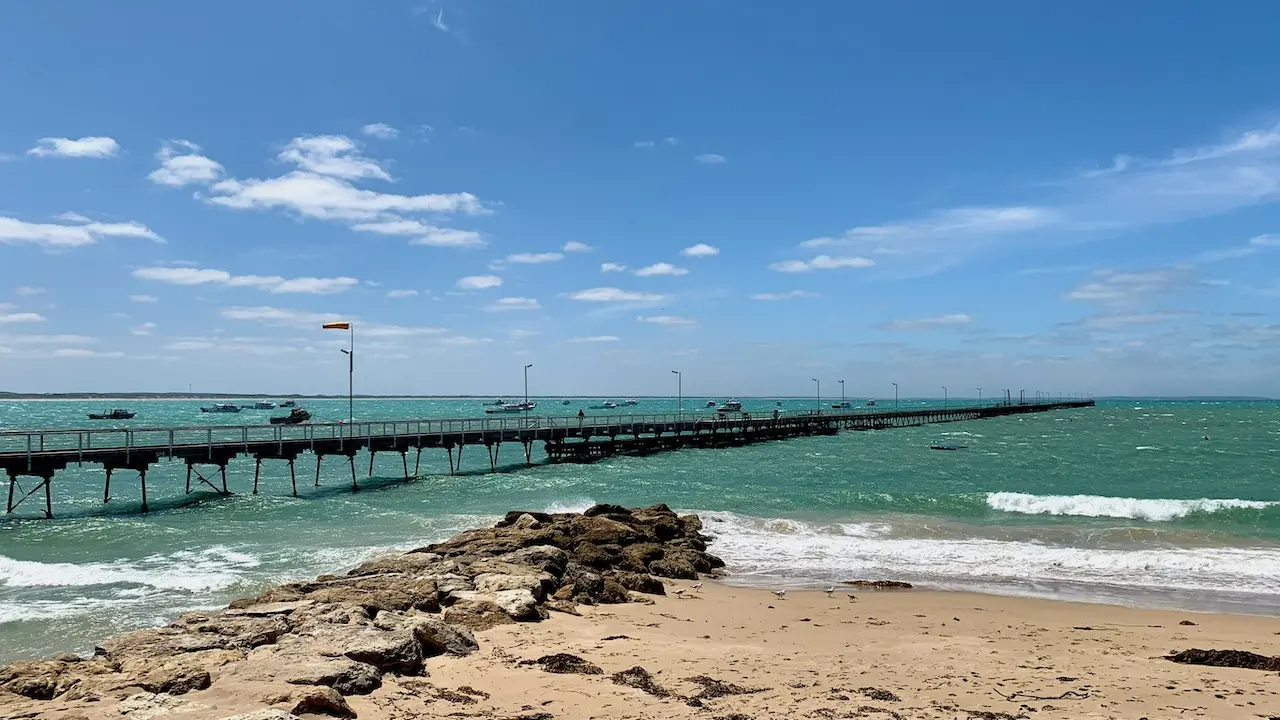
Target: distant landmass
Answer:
[[237, 396]]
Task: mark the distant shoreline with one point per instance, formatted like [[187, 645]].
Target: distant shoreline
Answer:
[[295, 396]]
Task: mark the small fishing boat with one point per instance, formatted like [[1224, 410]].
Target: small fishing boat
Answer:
[[260, 405], [606, 405], [221, 408], [871, 403], [948, 447], [712, 403], [288, 403], [564, 402], [841, 404], [632, 402], [730, 406], [498, 402], [295, 417], [512, 408], [113, 414]]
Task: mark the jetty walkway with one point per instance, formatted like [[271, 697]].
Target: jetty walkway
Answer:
[[38, 455]]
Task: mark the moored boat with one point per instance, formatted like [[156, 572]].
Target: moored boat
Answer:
[[606, 405], [711, 403], [512, 408], [113, 414], [288, 403], [221, 408], [296, 416], [730, 406]]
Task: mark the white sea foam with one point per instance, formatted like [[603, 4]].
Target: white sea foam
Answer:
[[834, 552], [192, 571], [1152, 509], [576, 505]]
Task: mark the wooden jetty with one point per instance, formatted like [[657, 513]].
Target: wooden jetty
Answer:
[[39, 455]]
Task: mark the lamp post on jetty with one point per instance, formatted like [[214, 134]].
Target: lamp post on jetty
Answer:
[[819, 396], [979, 396], [842, 400], [351, 369], [944, 396], [895, 396], [679, 395], [526, 393]]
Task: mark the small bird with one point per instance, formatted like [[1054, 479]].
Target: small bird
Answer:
[[853, 598], [680, 593], [830, 591], [696, 586], [782, 594]]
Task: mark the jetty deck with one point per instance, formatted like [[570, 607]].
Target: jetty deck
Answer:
[[37, 456]]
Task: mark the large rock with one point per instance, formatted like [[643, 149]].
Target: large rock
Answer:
[[263, 714], [515, 516], [477, 614], [520, 604], [145, 705], [388, 650], [244, 631], [300, 666], [177, 674], [548, 558], [670, 568], [436, 637], [158, 643], [318, 700], [491, 583], [407, 564], [36, 679], [600, 530], [636, 558], [639, 582]]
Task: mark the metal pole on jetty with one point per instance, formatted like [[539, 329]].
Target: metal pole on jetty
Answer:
[[526, 394], [979, 396], [351, 369], [842, 400], [944, 396], [679, 395], [819, 393], [895, 396]]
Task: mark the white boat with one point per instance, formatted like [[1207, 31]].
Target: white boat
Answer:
[[499, 402], [711, 403], [221, 408], [871, 403], [632, 402], [730, 406], [512, 407], [264, 405], [606, 405], [842, 404]]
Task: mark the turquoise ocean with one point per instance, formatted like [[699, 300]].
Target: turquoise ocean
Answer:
[[1123, 503]]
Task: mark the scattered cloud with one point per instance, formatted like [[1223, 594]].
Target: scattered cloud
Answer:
[[573, 246], [1270, 240], [270, 283], [382, 131], [611, 294], [710, 159], [534, 258], [1120, 321], [513, 303], [29, 290], [332, 156], [643, 144], [402, 293], [789, 295], [1118, 287], [53, 235], [670, 320], [182, 164], [462, 340], [284, 317], [145, 328], [423, 234], [72, 217], [612, 267], [948, 225], [661, 269], [438, 22], [928, 323], [671, 141], [85, 353], [479, 282], [522, 334], [596, 339], [821, 262], [700, 250], [47, 340], [22, 317], [85, 147], [144, 298], [1053, 270]]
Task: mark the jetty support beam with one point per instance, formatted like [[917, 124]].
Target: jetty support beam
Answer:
[[293, 478], [257, 470], [106, 489], [352, 460], [142, 480]]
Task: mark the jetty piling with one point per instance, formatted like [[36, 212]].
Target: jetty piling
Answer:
[[41, 454]]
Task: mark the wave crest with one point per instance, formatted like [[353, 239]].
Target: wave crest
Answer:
[[1152, 509]]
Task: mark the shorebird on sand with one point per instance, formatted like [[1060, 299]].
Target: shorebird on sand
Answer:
[[696, 586], [782, 594], [830, 590], [679, 593], [853, 598]]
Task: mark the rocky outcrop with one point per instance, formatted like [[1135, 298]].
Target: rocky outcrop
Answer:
[[301, 647]]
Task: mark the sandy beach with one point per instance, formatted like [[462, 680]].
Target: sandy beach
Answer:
[[712, 651]]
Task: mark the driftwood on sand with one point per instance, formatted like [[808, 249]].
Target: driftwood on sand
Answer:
[[303, 646]]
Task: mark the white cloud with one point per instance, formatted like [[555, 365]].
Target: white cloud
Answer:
[[643, 144], [83, 353], [394, 331], [1119, 287], [145, 328], [596, 339], [612, 267], [710, 159], [573, 246], [423, 234], [462, 340], [22, 317], [611, 294], [700, 250], [329, 198], [72, 217], [1269, 240], [928, 323], [182, 164], [514, 303], [438, 22], [479, 282], [144, 298], [382, 131], [47, 340], [947, 225], [821, 262], [670, 320], [333, 156], [280, 316], [401, 293], [534, 258], [29, 290], [661, 269], [522, 334], [1119, 321], [671, 141], [782, 295], [85, 147], [17, 232], [270, 283]]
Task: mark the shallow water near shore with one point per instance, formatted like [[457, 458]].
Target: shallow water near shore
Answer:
[[1123, 503]]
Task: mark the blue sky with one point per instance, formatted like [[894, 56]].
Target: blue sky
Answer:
[[1074, 198]]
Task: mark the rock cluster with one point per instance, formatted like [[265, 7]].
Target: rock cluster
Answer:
[[303, 646]]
